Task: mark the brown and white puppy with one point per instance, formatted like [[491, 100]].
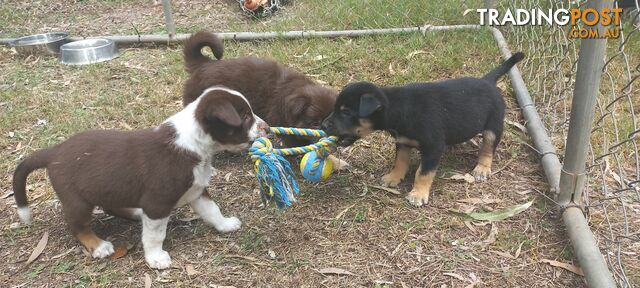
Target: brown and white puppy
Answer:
[[144, 174], [278, 94]]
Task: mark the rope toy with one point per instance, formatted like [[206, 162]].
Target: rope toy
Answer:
[[275, 176]]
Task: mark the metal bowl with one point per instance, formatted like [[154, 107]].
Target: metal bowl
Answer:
[[88, 51], [48, 43]]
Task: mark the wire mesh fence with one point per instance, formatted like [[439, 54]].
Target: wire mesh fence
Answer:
[[612, 195]]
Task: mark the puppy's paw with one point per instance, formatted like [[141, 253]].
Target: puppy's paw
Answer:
[[228, 224], [481, 172], [418, 198], [391, 180], [103, 250], [158, 260]]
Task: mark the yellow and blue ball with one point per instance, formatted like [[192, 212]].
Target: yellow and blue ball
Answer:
[[315, 168]]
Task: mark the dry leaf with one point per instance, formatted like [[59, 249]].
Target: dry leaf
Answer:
[[39, 248], [466, 177], [118, 252], [334, 271], [227, 177], [474, 279], [614, 175], [125, 125], [344, 211], [390, 190], [7, 195], [18, 147], [466, 12], [569, 267], [322, 82], [503, 254], [391, 71], [476, 201], [492, 235], [63, 254], [496, 215], [147, 281], [517, 125], [190, 270], [468, 224], [519, 250], [414, 53], [454, 275]]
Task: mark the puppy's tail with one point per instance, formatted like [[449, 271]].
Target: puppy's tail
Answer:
[[37, 160], [503, 68], [193, 57]]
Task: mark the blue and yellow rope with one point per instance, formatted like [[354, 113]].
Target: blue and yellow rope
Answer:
[[274, 173]]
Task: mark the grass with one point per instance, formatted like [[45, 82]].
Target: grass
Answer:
[[141, 16], [379, 238]]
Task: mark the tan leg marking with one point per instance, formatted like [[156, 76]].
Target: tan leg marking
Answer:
[[400, 167], [485, 156], [89, 239], [419, 195]]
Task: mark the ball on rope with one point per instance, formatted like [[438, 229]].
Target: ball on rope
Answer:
[[275, 177], [315, 168]]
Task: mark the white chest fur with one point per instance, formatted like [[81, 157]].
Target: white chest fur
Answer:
[[202, 173]]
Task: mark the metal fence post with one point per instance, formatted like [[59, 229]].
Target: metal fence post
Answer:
[[573, 177], [489, 5], [168, 18]]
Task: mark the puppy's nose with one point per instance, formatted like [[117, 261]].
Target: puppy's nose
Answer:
[[263, 127], [326, 124]]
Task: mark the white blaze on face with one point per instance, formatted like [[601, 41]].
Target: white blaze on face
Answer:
[[190, 135]]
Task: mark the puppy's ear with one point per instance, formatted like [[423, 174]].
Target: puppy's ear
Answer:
[[295, 107], [368, 105], [226, 113]]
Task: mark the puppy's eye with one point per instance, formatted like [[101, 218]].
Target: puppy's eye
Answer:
[[347, 112]]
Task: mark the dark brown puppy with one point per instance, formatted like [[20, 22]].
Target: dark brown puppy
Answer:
[[144, 174], [278, 94]]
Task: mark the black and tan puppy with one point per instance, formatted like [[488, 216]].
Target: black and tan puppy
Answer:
[[425, 116]]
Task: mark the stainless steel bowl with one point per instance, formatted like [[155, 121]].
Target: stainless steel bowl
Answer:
[[48, 43], [88, 51]]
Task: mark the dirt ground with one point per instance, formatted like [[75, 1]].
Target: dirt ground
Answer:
[[344, 232]]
